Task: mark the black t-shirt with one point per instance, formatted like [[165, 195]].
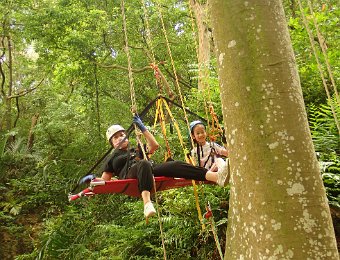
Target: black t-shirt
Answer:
[[120, 162]]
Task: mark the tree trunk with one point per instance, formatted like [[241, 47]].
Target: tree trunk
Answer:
[[203, 55], [10, 85], [5, 120], [30, 141], [278, 205], [292, 6]]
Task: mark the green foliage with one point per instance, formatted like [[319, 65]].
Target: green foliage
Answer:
[[323, 127], [327, 17], [3, 142], [100, 230], [332, 184], [327, 144]]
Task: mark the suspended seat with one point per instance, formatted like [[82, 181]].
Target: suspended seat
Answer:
[[129, 186]]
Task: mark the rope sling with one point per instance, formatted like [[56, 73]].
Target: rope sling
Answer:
[[157, 75], [161, 113], [162, 121], [208, 215]]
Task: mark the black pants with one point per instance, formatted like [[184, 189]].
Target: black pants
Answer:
[[144, 172]]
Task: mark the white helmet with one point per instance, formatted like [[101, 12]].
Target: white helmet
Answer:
[[112, 130]]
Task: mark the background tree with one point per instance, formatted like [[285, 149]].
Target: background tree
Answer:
[[278, 205], [204, 38]]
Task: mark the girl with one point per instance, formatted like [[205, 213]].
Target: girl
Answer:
[[207, 154]]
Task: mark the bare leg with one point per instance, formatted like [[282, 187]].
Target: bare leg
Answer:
[[211, 176], [146, 196]]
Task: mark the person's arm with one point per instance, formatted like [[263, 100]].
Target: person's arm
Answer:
[[150, 139], [221, 150], [106, 176], [224, 152], [109, 167]]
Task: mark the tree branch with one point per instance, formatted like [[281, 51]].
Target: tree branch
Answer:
[[26, 91]]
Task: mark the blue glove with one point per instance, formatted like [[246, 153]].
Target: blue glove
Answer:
[[87, 179], [139, 123]]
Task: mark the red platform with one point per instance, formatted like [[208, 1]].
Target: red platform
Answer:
[[129, 186]]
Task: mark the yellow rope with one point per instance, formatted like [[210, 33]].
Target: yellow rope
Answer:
[[163, 128], [185, 114], [134, 109], [214, 230], [193, 28], [126, 49], [324, 51], [168, 109], [208, 110], [132, 89], [148, 34], [198, 65], [181, 98], [175, 125], [305, 22], [159, 219], [172, 64], [185, 151]]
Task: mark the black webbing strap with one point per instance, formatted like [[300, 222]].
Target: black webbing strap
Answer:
[[187, 110]]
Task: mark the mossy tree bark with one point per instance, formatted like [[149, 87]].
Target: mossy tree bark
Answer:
[[278, 205], [203, 48]]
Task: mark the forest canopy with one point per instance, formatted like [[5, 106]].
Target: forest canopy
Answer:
[[65, 78]]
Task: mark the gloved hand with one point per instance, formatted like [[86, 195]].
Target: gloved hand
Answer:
[[87, 179], [139, 123]]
